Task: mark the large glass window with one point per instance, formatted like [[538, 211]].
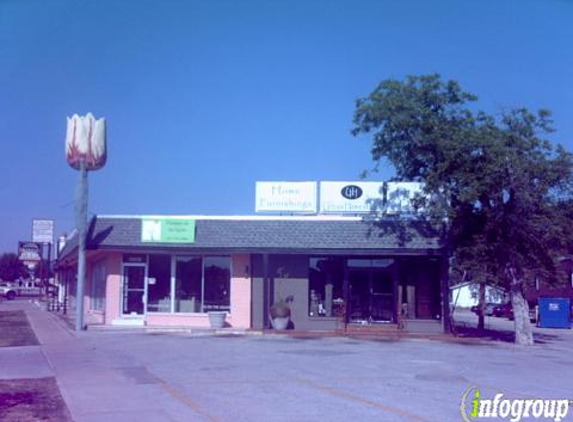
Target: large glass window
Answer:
[[217, 278], [188, 280], [188, 283], [202, 284], [159, 283], [326, 298]]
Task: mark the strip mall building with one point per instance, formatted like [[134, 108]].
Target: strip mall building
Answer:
[[335, 271]]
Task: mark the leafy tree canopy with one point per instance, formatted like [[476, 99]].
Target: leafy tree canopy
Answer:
[[10, 267], [499, 190]]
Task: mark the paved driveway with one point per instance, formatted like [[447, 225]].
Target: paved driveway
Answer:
[[285, 379], [126, 375]]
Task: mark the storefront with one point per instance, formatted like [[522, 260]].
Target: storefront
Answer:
[[333, 271]]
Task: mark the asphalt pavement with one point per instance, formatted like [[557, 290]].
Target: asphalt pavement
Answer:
[[133, 375]]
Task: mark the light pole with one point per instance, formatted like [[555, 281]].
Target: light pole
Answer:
[[85, 150]]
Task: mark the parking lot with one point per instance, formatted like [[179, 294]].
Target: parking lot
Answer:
[[108, 375]]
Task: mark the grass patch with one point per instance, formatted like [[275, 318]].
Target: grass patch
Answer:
[[15, 330], [31, 400]]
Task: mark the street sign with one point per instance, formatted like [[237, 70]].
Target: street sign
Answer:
[[43, 231]]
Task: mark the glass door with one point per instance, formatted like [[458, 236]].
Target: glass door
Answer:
[[359, 295], [381, 295], [371, 290], [133, 303]]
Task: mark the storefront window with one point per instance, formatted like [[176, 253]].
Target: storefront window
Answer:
[[188, 275], [217, 273], [97, 297], [72, 282], [187, 284], [326, 277], [159, 283]]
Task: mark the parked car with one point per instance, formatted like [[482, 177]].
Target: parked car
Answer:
[[488, 310], [506, 310], [21, 288]]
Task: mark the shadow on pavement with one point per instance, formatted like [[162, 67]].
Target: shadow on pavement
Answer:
[[464, 331]]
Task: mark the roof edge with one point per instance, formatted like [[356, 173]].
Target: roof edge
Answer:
[[239, 217]]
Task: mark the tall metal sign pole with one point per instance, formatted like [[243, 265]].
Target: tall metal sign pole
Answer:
[[85, 150], [43, 233]]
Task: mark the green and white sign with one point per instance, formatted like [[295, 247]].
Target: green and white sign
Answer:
[[168, 230]]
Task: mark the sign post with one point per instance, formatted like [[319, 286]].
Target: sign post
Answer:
[[43, 233]]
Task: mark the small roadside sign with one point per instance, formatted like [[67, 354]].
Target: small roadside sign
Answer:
[[43, 231]]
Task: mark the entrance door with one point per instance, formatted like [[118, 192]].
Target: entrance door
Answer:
[[371, 291], [133, 290], [359, 295], [381, 295]]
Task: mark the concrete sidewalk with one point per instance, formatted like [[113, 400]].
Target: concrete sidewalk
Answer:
[[94, 385]]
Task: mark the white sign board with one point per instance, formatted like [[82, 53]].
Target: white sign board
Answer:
[[400, 195], [299, 197], [349, 197], [43, 231]]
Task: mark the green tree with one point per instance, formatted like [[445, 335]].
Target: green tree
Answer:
[[10, 267], [493, 185]]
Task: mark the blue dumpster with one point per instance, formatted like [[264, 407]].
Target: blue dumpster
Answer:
[[554, 312]]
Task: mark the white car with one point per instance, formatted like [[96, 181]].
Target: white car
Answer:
[[21, 288]]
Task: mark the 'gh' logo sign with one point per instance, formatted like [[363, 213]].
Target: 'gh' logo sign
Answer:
[[351, 192]]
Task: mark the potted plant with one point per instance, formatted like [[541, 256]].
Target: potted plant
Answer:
[[280, 314], [217, 318]]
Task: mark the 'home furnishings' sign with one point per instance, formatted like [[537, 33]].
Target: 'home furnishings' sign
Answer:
[[297, 197], [167, 230]]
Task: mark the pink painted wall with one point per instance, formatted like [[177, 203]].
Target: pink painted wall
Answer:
[[113, 286], [240, 315], [92, 316], [178, 320]]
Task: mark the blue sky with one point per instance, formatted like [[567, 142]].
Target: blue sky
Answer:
[[203, 98]]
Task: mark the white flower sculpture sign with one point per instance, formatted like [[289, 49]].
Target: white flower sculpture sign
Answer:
[[85, 142], [85, 150]]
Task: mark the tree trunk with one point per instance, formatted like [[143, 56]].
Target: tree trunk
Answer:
[[523, 330], [481, 307]]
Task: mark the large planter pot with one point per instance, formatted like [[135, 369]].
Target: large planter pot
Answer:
[[217, 318], [280, 323]]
